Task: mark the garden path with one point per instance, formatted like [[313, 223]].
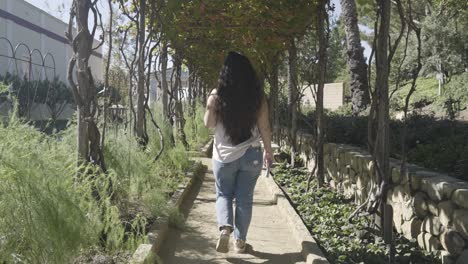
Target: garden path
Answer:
[[270, 239]]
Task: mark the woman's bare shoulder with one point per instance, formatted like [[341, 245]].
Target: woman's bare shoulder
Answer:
[[211, 102], [213, 95]]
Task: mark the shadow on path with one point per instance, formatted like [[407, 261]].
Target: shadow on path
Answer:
[[267, 258], [195, 244]]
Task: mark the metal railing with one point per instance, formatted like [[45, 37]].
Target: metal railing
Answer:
[[32, 59]]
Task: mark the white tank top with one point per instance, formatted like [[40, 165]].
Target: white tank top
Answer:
[[224, 151]]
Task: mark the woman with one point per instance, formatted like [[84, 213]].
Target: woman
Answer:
[[238, 111]]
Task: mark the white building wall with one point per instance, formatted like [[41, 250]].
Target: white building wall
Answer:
[[53, 41], [333, 96], [156, 91]]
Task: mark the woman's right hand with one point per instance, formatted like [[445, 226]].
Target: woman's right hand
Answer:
[[267, 158]]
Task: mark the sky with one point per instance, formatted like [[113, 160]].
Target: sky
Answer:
[[60, 9]]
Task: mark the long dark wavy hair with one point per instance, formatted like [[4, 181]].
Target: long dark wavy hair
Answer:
[[239, 97]]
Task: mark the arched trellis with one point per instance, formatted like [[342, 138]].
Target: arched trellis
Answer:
[[18, 46], [32, 72], [12, 52], [41, 70], [24, 110], [48, 55], [43, 63]]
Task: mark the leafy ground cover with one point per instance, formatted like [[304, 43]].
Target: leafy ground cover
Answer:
[[326, 213], [54, 213]]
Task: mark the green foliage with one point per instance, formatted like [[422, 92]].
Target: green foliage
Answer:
[[118, 76], [455, 95], [53, 214], [54, 93], [3, 87], [326, 214], [344, 110], [444, 44], [438, 145], [113, 93], [308, 54], [176, 218], [140, 178], [336, 62], [434, 144], [195, 130], [4, 93], [48, 216], [206, 31]]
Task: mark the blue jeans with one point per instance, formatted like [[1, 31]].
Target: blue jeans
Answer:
[[237, 180]]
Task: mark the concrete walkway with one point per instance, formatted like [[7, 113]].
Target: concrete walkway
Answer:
[[269, 238]]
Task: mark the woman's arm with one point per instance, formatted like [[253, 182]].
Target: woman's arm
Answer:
[[263, 124], [210, 117]]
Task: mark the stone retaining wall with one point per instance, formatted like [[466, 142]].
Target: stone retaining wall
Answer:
[[428, 206]]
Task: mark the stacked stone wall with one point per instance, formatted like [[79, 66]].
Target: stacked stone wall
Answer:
[[429, 207]]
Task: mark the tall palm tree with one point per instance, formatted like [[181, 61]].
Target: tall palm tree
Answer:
[[356, 62]]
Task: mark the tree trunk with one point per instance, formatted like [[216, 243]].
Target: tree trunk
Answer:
[[274, 93], [164, 86], [356, 62], [203, 91], [322, 20], [382, 139], [189, 91], [84, 92], [179, 121], [106, 76], [292, 97], [194, 91], [140, 113]]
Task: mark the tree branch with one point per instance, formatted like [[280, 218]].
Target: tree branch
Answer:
[[76, 94]]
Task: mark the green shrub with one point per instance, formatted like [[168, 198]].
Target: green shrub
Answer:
[[53, 93], [443, 155], [457, 88], [53, 215], [435, 144], [47, 215], [346, 129], [195, 130], [4, 91], [141, 178], [176, 218], [455, 96], [344, 110]]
